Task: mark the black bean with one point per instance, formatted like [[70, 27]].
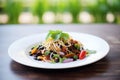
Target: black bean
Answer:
[[38, 54], [61, 56], [32, 48], [58, 44], [54, 53], [66, 44], [35, 58], [74, 59], [56, 60], [61, 46], [51, 51], [31, 54], [39, 59], [40, 47], [81, 48]]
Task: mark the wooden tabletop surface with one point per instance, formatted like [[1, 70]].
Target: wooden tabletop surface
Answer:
[[107, 68]]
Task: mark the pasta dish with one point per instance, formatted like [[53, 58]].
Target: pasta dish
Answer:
[[59, 47]]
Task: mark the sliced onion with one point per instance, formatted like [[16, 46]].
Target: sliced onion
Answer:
[[51, 55], [68, 60], [61, 53]]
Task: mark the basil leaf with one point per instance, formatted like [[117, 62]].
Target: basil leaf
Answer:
[[64, 36], [58, 34], [53, 34]]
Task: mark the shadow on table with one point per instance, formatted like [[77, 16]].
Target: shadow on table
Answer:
[[84, 72]]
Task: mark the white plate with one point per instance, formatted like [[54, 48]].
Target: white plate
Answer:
[[18, 51]]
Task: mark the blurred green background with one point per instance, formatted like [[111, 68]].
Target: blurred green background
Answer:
[[59, 11]]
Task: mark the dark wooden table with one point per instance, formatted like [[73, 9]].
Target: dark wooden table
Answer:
[[107, 68]]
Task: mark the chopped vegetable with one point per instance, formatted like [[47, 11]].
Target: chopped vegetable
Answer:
[[69, 55], [82, 54], [77, 46], [34, 50], [47, 52], [90, 51], [68, 60], [75, 57]]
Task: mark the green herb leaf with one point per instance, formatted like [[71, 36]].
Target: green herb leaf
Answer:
[[64, 36], [75, 57], [47, 52], [90, 51], [56, 55], [61, 59], [77, 46], [56, 35], [53, 34]]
